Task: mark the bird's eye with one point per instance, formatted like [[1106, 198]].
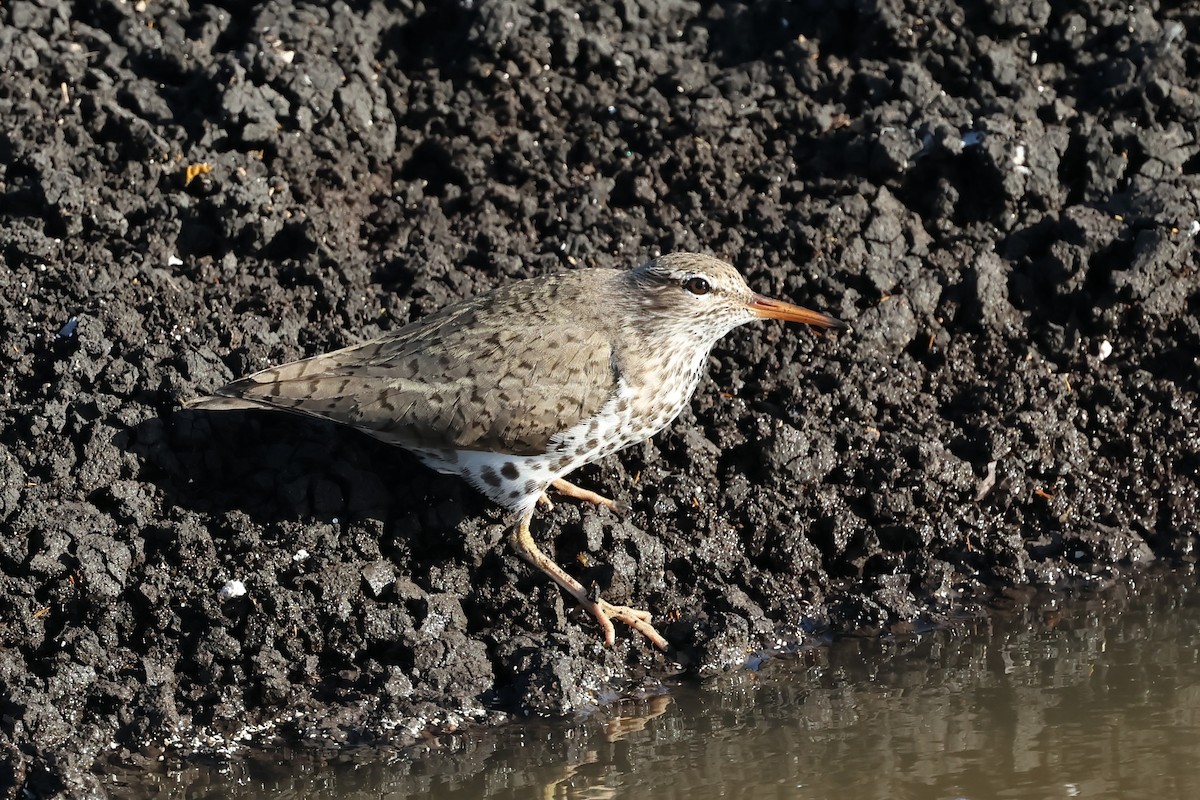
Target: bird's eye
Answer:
[[697, 285]]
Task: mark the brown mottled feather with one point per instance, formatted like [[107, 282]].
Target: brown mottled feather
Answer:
[[478, 375]]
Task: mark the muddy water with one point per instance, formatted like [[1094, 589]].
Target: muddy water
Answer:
[[1095, 696]]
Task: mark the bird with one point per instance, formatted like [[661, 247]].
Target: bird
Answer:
[[514, 389]]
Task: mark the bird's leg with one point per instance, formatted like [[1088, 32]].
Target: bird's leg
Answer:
[[602, 610], [571, 490]]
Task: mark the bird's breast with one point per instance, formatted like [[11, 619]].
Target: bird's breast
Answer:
[[656, 395], [643, 404]]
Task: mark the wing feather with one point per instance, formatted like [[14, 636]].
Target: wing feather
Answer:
[[466, 377]]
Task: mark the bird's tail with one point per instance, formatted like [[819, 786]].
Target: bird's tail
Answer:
[[219, 403]]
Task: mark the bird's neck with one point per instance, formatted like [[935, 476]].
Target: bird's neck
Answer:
[[665, 348], [664, 377]]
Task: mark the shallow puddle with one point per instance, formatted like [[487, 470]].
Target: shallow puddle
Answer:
[[1095, 696]]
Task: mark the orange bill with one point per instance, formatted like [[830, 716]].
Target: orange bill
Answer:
[[777, 309]]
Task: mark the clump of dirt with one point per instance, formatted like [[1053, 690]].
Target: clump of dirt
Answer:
[[1003, 203]]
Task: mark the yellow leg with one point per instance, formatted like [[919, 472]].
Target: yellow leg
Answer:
[[563, 486], [602, 610]]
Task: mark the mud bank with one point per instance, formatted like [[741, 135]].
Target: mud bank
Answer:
[[1004, 204]]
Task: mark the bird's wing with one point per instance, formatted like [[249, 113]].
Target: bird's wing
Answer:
[[463, 379]]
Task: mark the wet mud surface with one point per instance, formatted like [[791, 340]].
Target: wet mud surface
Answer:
[[1002, 202], [1094, 692]]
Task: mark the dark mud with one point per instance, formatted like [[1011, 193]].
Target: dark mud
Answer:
[[1002, 201], [1099, 688]]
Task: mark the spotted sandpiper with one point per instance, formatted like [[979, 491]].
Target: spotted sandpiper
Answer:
[[514, 389]]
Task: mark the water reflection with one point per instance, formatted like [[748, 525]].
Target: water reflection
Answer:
[[1090, 697]]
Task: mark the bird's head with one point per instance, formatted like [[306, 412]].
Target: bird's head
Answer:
[[707, 298]]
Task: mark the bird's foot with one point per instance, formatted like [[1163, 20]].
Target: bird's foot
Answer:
[[635, 618], [588, 496], [602, 610]]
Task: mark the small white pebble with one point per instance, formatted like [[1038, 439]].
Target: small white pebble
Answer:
[[232, 589], [1104, 350], [174, 261], [1194, 228], [300, 556], [1019, 160]]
